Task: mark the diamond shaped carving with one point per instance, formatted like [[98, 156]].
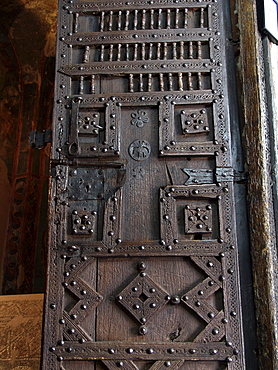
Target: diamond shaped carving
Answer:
[[143, 297], [198, 219], [194, 121]]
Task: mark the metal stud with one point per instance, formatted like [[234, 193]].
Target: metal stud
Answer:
[[111, 351], [142, 330], [130, 350], [192, 351], [141, 266], [150, 351], [167, 363]]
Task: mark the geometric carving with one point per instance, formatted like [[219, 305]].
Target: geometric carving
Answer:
[[88, 299], [197, 297], [83, 222], [198, 219], [89, 123], [143, 297], [194, 121]]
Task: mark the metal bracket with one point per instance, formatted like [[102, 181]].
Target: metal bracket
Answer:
[[38, 140]]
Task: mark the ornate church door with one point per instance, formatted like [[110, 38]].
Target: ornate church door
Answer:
[[143, 270]]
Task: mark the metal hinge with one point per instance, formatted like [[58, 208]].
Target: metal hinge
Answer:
[[205, 176], [38, 140]]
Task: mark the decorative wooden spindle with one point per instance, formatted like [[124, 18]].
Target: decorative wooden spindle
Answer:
[[86, 56], [102, 53], [185, 18], [158, 52], [135, 52], [177, 18], [81, 85], [119, 20], [180, 81], [127, 51], [102, 16], [75, 22], [161, 81], [119, 52], [131, 85], [150, 51], [202, 17], [152, 19], [111, 53], [199, 48], [110, 26], [174, 50], [93, 85], [143, 51], [165, 48], [190, 51], [143, 19], [149, 82], [200, 85], [141, 85], [126, 20], [159, 19], [168, 19], [190, 81], [135, 24], [181, 49], [170, 79]]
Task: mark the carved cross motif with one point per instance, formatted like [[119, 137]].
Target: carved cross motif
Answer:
[[198, 219], [194, 121]]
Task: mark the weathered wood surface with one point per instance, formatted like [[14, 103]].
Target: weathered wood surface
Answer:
[[262, 230]]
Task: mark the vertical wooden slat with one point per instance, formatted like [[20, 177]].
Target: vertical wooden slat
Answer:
[[102, 16], [177, 18], [158, 52], [81, 85], [168, 19], [141, 86], [161, 82], [181, 49], [190, 50], [131, 85], [93, 87], [143, 19], [159, 19], [86, 56], [185, 18], [149, 82], [110, 20], [119, 20], [102, 53], [119, 52], [127, 19], [75, 22], [135, 23], [152, 19], [180, 82], [135, 52]]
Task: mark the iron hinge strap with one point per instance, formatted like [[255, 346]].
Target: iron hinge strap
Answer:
[[38, 140], [208, 176]]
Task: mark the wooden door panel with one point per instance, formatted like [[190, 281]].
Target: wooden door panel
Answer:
[[143, 270]]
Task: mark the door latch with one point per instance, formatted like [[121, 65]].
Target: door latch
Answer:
[[38, 140]]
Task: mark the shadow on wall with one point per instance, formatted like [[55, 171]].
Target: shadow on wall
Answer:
[[27, 56]]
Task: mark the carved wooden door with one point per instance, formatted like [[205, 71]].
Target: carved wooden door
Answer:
[[143, 270]]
